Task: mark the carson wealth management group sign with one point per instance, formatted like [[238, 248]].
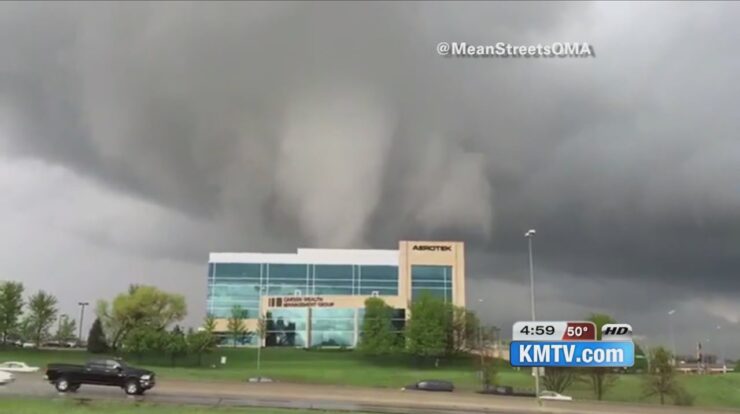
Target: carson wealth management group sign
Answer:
[[299, 302]]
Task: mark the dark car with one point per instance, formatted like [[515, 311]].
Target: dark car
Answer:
[[111, 372], [431, 385]]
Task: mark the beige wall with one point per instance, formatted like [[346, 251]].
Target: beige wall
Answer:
[[412, 254]]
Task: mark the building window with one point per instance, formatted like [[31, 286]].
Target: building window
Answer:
[[332, 280], [383, 279], [333, 327], [285, 279], [232, 284], [286, 327], [434, 280]]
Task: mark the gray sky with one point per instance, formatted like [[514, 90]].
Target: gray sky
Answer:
[[135, 138]]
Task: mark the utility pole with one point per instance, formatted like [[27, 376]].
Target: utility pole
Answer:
[[82, 318], [480, 343], [529, 235]]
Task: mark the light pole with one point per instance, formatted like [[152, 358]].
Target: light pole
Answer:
[[720, 343], [82, 317], [670, 330], [261, 326], [480, 343], [529, 235]]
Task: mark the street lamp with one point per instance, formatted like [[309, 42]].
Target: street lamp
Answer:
[[82, 317], [720, 342], [480, 341], [261, 326], [670, 330], [529, 235]]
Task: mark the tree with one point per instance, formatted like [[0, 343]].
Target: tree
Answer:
[[377, 328], [488, 368], [139, 341], [661, 380], [140, 306], [42, 314], [463, 332], [558, 379], [176, 344], [209, 323], [427, 329], [66, 329], [601, 378], [261, 330], [235, 324], [96, 342], [11, 307], [24, 330], [200, 343]]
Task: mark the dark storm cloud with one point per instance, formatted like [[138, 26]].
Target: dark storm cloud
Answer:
[[338, 125]]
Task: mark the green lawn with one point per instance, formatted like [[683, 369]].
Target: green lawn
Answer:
[[28, 406], [297, 365], [350, 368]]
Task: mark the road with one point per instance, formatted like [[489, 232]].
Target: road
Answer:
[[339, 398]]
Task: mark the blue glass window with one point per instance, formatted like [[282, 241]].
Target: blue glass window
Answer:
[[333, 280], [333, 327], [232, 284], [286, 327], [381, 279], [435, 280], [286, 279]]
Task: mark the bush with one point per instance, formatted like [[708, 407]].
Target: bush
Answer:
[[682, 397], [558, 379], [489, 373]]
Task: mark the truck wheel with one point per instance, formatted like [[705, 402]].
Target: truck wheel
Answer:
[[62, 385], [74, 388], [131, 388]]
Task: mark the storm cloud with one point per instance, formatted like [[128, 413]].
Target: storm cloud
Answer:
[[172, 130]]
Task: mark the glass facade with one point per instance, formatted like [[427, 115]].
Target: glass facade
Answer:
[[296, 317], [332, 327], [286, 327], [436, 280], [232, 284]]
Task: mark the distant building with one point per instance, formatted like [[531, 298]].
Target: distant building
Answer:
[[708, 365], [315, 297]]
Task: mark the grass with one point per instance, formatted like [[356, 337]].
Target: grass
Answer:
[[350, 368], [294, 365], [29, 406]]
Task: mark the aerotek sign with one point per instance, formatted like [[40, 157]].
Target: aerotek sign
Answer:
[[431, 248]]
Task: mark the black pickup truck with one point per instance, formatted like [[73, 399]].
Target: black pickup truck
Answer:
[[134, 381]]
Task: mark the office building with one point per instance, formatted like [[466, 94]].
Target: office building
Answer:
[[315, 297]]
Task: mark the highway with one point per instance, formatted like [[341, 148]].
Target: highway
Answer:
[[322, 397]]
